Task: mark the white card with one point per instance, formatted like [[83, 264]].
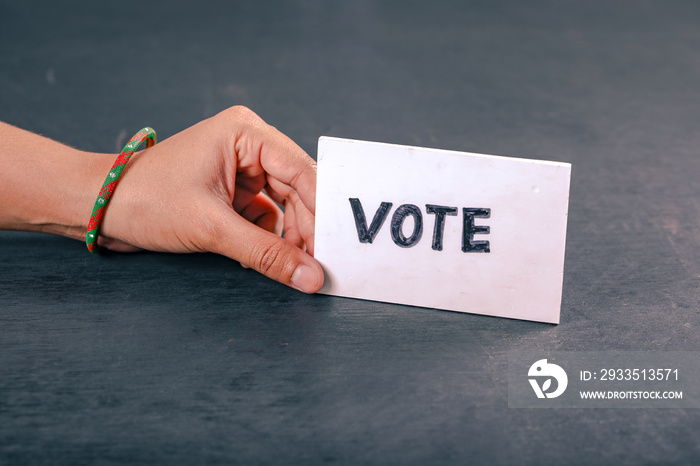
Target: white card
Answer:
[[442, 229]]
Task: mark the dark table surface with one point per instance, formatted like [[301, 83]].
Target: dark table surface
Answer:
[[159, 358]]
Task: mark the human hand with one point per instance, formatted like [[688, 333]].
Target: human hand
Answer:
[[202, 190]]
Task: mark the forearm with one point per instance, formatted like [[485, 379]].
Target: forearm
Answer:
[[46, 186]]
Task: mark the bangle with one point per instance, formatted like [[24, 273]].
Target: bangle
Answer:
[[93, 230]]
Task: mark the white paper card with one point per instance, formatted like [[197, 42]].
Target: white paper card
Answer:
[[442, 229]]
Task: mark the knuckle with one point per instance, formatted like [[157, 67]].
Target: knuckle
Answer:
[[241, 113], [268, 258], [241, 110]]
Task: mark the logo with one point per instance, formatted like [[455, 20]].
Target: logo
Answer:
[[541, 370]]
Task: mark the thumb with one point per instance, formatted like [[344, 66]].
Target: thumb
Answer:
[[268, 253]]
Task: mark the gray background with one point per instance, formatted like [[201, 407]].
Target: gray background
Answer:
[[157, 358]]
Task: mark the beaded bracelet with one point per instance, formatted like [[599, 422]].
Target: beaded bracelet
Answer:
[[93, 230]]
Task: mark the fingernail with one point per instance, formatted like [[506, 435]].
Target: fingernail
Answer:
[[305, 279]]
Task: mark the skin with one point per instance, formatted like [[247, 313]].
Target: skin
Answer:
[[200, 190]]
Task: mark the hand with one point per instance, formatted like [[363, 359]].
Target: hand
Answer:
[[202, 190]]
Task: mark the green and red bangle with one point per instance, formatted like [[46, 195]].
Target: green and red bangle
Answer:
[[93, 230]]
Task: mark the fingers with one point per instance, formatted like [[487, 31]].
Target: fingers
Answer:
[[262, 156], [290, 174], [291, 229], [301, 220], [261, 148], [299, 226], [266, 252], [263, 212]]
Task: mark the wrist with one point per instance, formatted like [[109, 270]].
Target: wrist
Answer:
[[70, 210], [63, 204]]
